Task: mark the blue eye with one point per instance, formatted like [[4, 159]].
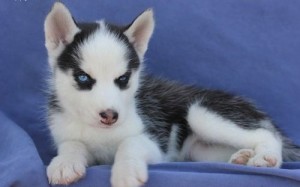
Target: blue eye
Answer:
[[123, 78], [83, 78]]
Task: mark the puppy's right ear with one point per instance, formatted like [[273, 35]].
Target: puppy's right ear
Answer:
[[60, 29]]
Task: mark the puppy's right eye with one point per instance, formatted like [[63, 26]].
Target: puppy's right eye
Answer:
[[84, 81]]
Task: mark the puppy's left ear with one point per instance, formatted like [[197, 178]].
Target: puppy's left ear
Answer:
[[140, 31]]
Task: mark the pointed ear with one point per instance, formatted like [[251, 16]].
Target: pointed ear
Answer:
[[140, 31], [60, 28]]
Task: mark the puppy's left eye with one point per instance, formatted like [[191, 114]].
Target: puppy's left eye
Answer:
[[122, 81], [83, 78]]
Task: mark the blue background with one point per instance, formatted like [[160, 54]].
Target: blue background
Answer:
[[250, 48]]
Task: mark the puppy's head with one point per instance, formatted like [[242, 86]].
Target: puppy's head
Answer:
[[96, 66]]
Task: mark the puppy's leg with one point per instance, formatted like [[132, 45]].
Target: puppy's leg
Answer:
[[132, 157], [214, 128], [70, 163]]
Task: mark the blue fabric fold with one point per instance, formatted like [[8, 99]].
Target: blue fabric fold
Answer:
[[20, 163], [195, 174]]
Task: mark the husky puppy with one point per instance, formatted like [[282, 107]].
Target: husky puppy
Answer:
[[103, 109]]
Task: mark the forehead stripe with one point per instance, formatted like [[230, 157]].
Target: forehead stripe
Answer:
[[71, 57]]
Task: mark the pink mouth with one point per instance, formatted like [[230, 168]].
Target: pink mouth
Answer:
[[102, 125], [107, 123]]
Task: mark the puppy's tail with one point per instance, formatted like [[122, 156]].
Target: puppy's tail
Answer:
[[290, 151]]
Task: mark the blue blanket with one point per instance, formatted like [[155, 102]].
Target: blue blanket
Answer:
[[251, 48]]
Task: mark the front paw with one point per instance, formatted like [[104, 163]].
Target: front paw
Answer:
[[65, 170], [131, 173]]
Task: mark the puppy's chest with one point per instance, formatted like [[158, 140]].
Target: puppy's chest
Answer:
[[101, 146]]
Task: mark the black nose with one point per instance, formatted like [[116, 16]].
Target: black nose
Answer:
[[108, 117]]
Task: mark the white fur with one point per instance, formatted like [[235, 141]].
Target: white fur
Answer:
[[242, 156], [196, 150], [130, 167], [103, 58], [80, 137], [60, 30], [215, 129], [97, 144], [71, 163], [140, 31], [172, 153]]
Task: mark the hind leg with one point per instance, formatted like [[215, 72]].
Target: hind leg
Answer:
[[211, 127], [197, 150]]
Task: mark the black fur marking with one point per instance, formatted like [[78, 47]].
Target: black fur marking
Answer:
[[231, 107], [290, 152], [88, 85], [134, 61], [163, 103], [53, 103], [182, 134], [122, 81], [71, 57]]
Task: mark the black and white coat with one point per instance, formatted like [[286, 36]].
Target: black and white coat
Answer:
[[103, 109]]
